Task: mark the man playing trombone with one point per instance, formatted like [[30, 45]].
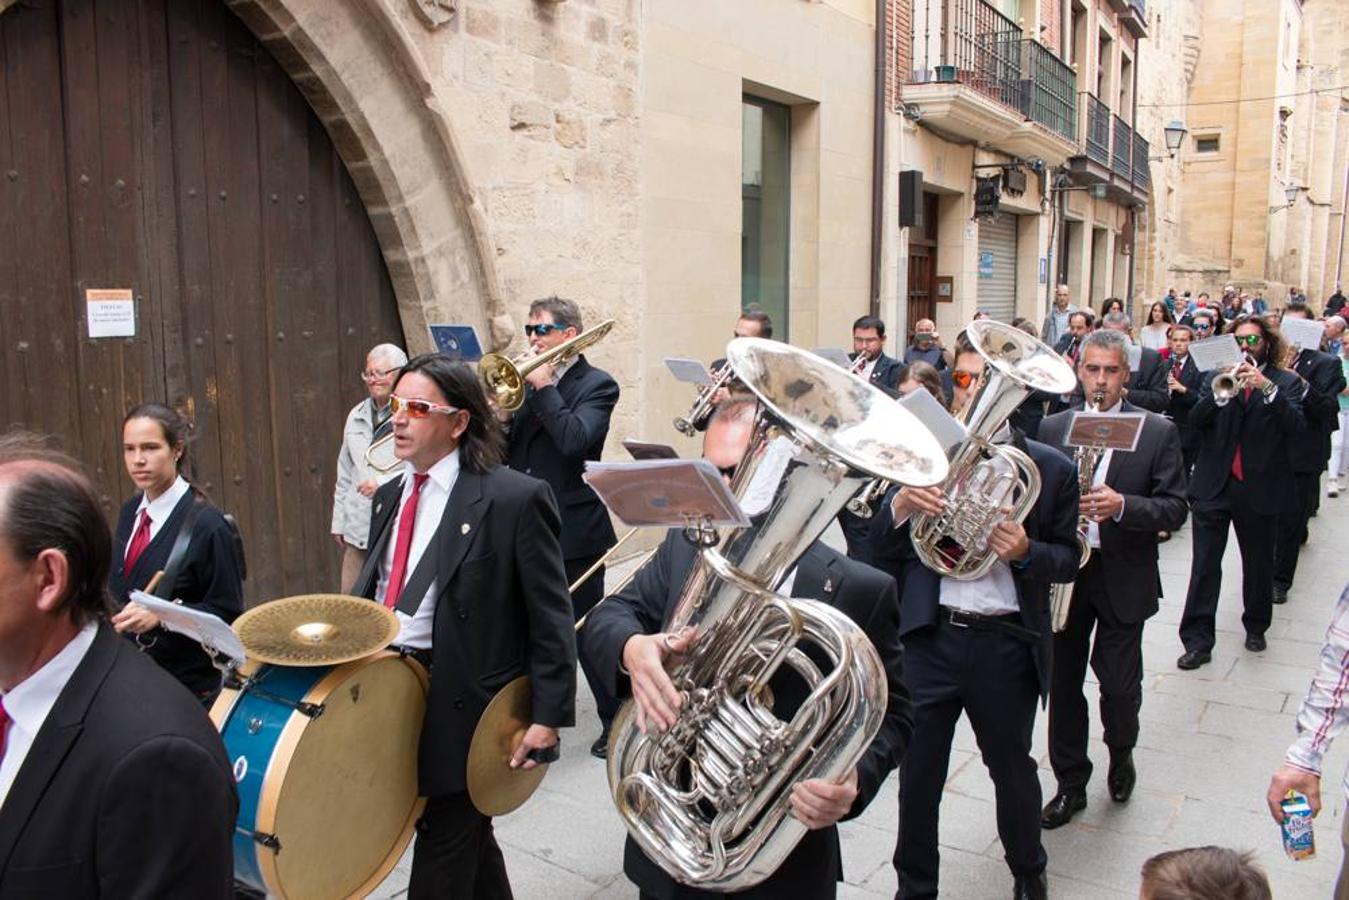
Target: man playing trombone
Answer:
[[1127, 499], [562, 424]]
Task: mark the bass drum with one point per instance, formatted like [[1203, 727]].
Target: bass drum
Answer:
[[325, 758]]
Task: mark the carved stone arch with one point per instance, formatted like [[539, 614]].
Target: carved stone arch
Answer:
[[361, 72]]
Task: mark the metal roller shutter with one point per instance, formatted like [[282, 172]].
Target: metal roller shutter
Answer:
[[997, 267]]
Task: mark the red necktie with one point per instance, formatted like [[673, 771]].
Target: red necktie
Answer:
[[4, 729], [139, 541], [406, 520], [1237, 471]]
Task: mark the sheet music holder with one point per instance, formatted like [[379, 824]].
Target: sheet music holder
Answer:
[[1219, 352], [649, 449], [1105, 431], [834, 355], [211, 631], [688, 370], [665, 492], [456, 341]]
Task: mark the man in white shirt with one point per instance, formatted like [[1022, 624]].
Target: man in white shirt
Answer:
[[111, 774], [466, 552]]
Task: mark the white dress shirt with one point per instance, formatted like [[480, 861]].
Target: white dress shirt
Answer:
[[160, 509], [415, 631], [867, 368], [1098, 479], [30, 702]]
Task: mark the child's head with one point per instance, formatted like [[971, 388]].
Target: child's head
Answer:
[[1203, 873]]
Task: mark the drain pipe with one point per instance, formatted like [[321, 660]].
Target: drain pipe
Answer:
[[878, 162]]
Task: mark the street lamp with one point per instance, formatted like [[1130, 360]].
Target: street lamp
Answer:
[[1290, 193], [1174, 135]]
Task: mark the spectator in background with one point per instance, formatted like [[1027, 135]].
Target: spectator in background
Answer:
[[926, 346], [1111, 304], [1296, 296], [1206, 323], [1339, 440], [1171, 301], [1333, 339], [921, 375], [1335, 303], [1056, 322], [1153, 334], [1203, 873], [1259, 305]]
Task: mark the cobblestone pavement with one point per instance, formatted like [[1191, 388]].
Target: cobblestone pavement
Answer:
[[1210, 740]]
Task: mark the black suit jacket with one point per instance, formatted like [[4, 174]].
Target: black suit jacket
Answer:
[[209, 581], [885, 373], [125, 792], [867, 596], [502, 610], [1147, 386], [1179, 406], [1264, 430], [1320, 406], [552, 436], [1152, 481], [1051, 528]]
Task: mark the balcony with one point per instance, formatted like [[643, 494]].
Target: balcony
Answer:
[[1110, 153], [1133, 15], [976, 77]]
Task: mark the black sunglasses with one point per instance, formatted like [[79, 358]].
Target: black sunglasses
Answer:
[[544, 329]]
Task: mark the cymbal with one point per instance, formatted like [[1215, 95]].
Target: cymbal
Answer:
[[315, 630], [493, 786]]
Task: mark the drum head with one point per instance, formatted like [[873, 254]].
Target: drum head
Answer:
[[341, 791]]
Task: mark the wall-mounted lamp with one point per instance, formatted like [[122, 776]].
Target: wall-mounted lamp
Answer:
[[1174, 134], [1290, 193]]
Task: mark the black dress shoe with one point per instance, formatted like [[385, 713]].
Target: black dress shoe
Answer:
[[1122, 777], [1255, 643], [1193, 659], [1062, 808], [600, 749], [1030, 887], [1280, 595]]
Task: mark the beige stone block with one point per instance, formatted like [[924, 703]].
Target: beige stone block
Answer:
[[531, 119], [551, 81], [482, 23], [569, 130]]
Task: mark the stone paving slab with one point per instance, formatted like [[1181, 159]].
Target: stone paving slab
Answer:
[[1210, 740]]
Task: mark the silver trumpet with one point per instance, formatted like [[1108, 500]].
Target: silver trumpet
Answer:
[[687, 424], [709, 799], [1088, 459], [985, 478], [860, 505], [1226, 385]]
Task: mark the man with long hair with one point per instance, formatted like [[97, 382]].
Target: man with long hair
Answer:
[[467, 554]]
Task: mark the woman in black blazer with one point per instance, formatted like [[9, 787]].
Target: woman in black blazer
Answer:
[[209, 576]]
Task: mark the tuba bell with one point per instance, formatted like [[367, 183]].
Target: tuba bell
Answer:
[[709, 799], [985, 477]]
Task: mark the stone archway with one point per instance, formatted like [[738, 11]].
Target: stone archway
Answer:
[[359, 69]]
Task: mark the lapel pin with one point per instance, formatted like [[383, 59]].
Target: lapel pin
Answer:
[[828, 585], [464, 528]]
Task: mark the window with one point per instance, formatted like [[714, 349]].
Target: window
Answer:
[[765, 175], [1207, 143]]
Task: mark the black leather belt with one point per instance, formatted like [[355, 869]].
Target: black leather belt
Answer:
[[1006, 623], [422, 656]]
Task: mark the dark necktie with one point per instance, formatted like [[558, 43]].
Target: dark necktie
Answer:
[[4, 729], [407, 519], [139, 541]]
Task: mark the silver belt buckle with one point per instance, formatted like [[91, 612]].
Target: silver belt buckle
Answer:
[[951, 617]]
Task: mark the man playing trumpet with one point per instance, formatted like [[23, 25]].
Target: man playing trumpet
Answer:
[[1131, 497]]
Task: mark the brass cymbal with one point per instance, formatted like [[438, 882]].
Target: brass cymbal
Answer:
[[493, 786], [315, 630]]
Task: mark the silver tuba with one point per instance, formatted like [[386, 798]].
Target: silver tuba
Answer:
[[1087, 459], [985, 477], [709, 799]]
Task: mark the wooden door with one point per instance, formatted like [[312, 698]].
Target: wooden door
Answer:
[[154, 145]]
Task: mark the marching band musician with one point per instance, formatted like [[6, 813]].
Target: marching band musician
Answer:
[[631, 652], [752, 323], [562, 424], [1133, 496], [982, 646], [868, 343], [1309, 455], [467, 553], [367, 422], [1241, 477], [1183, 379]]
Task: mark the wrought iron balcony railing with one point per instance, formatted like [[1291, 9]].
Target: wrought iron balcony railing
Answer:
[[1097, 139], [1142, 175], [1121, 160], [1049, 90], [985, 50]]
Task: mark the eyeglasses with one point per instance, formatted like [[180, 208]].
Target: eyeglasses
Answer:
[[1250, 340], [543, 329], [377, 374], [962, 379], [419, 409]]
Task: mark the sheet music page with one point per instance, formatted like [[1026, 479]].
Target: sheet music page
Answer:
[[666, 492], [209, 630], [1216, 353], [834, 355], [688, 370], [944, 427], [1303, 333]]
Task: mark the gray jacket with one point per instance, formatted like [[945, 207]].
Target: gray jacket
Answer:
[[351, 511]]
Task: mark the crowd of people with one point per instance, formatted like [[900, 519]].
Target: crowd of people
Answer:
[[480, 534]]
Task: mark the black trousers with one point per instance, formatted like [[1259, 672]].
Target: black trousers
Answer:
[[1116, 657], [1291, 530], [586, 596], [991, 677], [456, 854], [1255, 530]]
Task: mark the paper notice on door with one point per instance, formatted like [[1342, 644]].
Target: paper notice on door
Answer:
[[111, 312]]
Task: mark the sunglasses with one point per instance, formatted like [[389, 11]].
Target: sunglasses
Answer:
[[1250, 340], [543, 330], [963, 379], [727, 471], [1198, 327], [377, 374], [419, 409]]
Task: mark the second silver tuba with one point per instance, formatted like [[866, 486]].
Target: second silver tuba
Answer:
[[985, 478], [709, 799]]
